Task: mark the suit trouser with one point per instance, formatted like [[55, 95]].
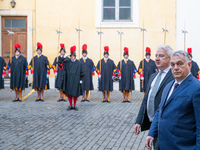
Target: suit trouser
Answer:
[[155, 144]]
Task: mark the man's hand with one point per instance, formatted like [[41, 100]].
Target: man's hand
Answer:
[[55, 74], [137, 128], [149, 142]]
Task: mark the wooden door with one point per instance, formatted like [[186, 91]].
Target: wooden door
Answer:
[[18, 25]]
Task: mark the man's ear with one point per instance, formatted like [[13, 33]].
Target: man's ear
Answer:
[[190, 64]]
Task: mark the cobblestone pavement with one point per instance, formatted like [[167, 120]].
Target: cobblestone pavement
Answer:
[[36, 125]]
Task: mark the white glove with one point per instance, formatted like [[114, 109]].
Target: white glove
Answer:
[[120, 78], [81, 81], [32, 74], [47, 75], [112, 77], [99, 76], [2, 76], [56, 74], [142, 78], [9, 75], [26, 76], [66, 55]]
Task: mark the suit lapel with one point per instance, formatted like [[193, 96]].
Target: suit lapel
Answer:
[[182, 86], [165, 79], [166, 94]]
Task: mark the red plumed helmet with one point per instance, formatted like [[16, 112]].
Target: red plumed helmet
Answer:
[[126, 50], [62, 45], [189, 50], [148, 50], [84, 47], [73, 49], [39, 45], [17, 46], [106, 48]]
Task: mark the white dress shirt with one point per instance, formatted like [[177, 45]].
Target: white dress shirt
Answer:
[[152, 84]]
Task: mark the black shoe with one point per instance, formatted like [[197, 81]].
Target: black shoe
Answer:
[[37, 100], [41, 100], [70, 108], [63, 100], [128, 101], [75, 108], [123, 101], [20, 100], [82, 100], [15, 100], [104, 100], [59, 100], [108, 101], [87, 100]]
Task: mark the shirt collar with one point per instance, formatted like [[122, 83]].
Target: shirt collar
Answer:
[[181, 80], [106, 58], [147, 59], [17, 55], [74, 60], [125, 59], [85, 57], [39, 55], [167, 69]]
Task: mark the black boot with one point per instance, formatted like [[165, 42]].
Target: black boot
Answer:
[[70, 108], [75, 108]]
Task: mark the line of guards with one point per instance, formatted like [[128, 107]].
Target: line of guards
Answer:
[[74, 78]]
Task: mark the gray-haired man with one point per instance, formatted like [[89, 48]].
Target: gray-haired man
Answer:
[[177, 120], [155, 86]]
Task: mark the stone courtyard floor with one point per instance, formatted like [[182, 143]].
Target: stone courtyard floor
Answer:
[[48, 125]]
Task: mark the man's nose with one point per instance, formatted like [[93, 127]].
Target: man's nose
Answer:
[[175, 66]]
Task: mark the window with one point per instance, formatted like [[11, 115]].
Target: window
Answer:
[[15, 23], [117, 10], [117, 13]]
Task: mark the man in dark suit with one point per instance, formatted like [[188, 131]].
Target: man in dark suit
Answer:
[[177, 120], [155, 86]]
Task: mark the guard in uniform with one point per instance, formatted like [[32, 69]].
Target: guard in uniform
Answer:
[[195, 68], [105, 71], [2, 71], [88, 68], [126, 73], [72, 78], [18, 73], [40, 69], [58, 72], [147, 71]]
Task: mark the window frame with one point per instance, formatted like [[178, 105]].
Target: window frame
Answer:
[[99, 22], [117, 11]]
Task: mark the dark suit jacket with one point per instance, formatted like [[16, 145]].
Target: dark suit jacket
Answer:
[[142, 117], [177, 121]]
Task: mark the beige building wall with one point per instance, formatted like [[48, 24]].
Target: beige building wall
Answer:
[[67, 14]]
